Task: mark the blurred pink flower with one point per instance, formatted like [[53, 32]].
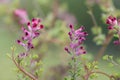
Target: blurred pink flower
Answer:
[[67, 18], [116, 42], [4, 1], [22, 16], [111, 20], [114, 24]]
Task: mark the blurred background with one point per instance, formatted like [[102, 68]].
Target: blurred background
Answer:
[[56, 15]]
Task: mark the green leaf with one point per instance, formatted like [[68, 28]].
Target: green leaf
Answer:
[[65, 79], [39, 63], [110, 64], [35, 56], [111, 57], [8, 55], [99, 39], [105, 57], [96, 30], [94, 75], [116, 35], [13, 48], [96, 67]]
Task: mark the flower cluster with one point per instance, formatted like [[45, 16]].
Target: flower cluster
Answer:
[[22, 15], [114, 24], [77, 38], [112, 21], [30, 33]]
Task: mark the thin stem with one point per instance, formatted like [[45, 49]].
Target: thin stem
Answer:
[[74, 69], [107, 75], [90, 72], [22, 69], [93, 18], [87, 72], [55, 12], [113, 62], [86, 77]]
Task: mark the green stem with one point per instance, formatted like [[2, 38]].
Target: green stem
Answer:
[[74, 68], [93, 18]]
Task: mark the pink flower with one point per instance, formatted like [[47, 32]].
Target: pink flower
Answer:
[[20, 43], [117, 42], [80, 50], [30, 33], [114, 24], [22, 55], [111, 21], [77, 37], [66, 49], [22, 15]]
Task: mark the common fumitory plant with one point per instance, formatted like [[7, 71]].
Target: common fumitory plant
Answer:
[[114, 25], [76, 49], [31, 32], [77, 38]]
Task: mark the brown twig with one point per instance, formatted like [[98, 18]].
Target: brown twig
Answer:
[[87, 75], [22, 69], [90, 72], [107, 40], [107, 75], [103, 48], [55, 12]]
